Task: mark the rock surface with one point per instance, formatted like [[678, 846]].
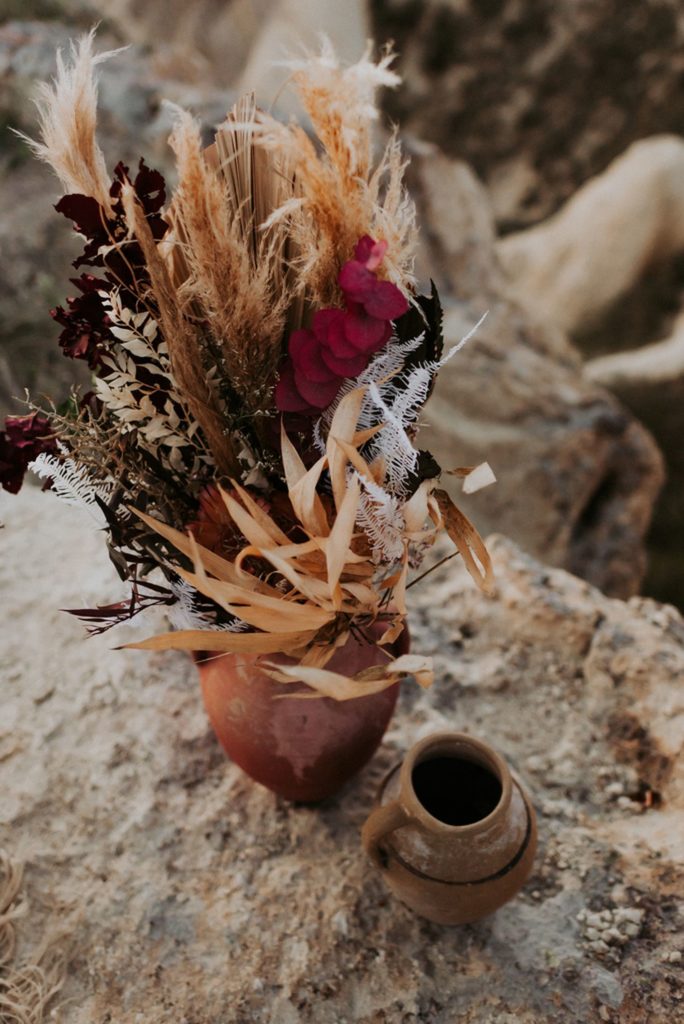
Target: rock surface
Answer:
[[650, 381], [537, 96], [192, 894], [572, 268], [608, 269]]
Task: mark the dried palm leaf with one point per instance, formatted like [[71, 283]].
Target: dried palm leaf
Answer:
[[324, 683], [468, 541]]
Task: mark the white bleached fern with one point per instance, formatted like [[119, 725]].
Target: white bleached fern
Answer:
[[380, 517], [185, 614], [385, 364], [395, 398], [398, 397], [73, 483]]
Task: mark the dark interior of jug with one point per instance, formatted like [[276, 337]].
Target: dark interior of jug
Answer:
[[454, 790]]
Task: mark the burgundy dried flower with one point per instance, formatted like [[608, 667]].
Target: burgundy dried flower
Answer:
[[90, 220], [85, 322], [22, 440], [341, 341]]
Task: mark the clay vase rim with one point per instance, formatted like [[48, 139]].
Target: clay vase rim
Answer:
[[452, 744]]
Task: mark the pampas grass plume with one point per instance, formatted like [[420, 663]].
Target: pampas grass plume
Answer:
[[67, 112]]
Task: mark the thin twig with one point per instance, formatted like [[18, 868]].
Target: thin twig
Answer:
[[432, 569]]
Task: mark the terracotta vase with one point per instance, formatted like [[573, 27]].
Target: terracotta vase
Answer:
[[453, 833], [303, 750]]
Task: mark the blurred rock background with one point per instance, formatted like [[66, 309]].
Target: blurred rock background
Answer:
[[548, 167]]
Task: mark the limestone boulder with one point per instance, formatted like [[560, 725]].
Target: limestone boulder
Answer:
[[574, 267], [181, 891]]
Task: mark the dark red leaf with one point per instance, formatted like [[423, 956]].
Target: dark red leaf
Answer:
[[287, 397], [22, 440], [305, 352]]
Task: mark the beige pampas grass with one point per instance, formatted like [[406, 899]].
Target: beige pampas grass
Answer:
[[67, 111], [228, 271], [344, 193]]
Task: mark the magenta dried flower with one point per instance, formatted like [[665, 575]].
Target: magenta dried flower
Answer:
[[341, 341]]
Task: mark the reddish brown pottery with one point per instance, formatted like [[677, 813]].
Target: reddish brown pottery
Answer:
[[304, 750], [451, 873]]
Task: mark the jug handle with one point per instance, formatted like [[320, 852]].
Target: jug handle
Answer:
[[379, 823]]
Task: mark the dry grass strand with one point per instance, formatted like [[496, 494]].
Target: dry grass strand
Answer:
[[25, 990], [344, 194]]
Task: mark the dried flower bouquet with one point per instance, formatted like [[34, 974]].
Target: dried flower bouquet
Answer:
[[259, 359]]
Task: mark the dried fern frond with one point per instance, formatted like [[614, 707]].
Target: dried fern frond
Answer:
[[67, 111], [72, 482]]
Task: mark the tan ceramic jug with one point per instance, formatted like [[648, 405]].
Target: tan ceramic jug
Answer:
[[453, 833]]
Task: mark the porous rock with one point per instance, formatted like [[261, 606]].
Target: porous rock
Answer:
[[192, 894]]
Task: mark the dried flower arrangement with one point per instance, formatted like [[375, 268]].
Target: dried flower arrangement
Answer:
[[259, 358]]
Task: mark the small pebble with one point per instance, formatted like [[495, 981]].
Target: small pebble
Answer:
[[673, 957], [619, 894]]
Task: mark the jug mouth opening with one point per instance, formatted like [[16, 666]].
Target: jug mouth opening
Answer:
[[457, 782]]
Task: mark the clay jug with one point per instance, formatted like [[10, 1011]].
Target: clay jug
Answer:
[[304, 750], [453, 833]]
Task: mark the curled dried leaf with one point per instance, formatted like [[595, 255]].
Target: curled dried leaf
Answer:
[[339, 687], [468, 541]]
